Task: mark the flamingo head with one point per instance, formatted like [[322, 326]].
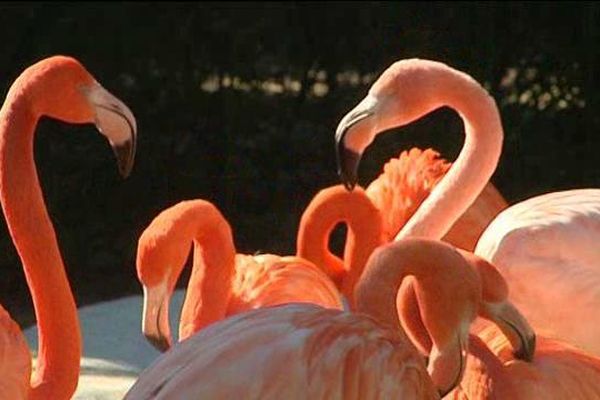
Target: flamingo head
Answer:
[[404, 92], [60, 87], [160, 260]]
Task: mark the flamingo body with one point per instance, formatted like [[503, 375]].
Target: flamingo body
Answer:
[[295, 351], [546, 247]]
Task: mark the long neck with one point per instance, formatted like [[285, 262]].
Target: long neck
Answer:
[[365, 233], [475, 164], [32, 232], [209, 287]]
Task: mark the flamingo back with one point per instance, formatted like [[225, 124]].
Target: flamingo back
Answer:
[[406, 182], [268, 280], [547, 250], [296, 351]]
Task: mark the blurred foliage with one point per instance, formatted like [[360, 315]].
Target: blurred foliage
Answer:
[[237, 103]]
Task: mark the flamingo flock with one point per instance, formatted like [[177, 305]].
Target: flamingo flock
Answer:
[[444, 290]]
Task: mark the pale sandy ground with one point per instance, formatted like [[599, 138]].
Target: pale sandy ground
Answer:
[[114, 349]]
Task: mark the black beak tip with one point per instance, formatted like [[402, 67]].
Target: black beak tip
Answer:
[[349, 185], [160, 343], [348, 162], [526, 352], [348, 181], [125, 154]]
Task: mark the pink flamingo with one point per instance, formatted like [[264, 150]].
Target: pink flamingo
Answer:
[[306, 351], [58, 87], [222, 282], [544, 246]]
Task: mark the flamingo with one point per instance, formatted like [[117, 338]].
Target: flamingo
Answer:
[[545, 246], [58, 87], [307, 351], [222, 283], [557, 370], [407, 180]]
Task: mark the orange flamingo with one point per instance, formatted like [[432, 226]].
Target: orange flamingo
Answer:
[[407, 180], [58, 87], [544, 247], [329, 207], [222, 283], [306, 351], [557, 371]]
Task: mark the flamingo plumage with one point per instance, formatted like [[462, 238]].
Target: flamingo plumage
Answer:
[[307, 351], [405, 183], [58, 87]]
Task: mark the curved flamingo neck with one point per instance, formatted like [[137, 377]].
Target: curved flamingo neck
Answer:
[[312, 242], [444, 284], [477, 160], [365, 232], [31, 229], [209, 288]]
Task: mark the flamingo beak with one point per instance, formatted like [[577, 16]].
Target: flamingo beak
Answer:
[[515, 327], [155, 319], [351, 139], [116, 122]]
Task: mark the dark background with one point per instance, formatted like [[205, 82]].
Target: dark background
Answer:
[[237, 103]]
